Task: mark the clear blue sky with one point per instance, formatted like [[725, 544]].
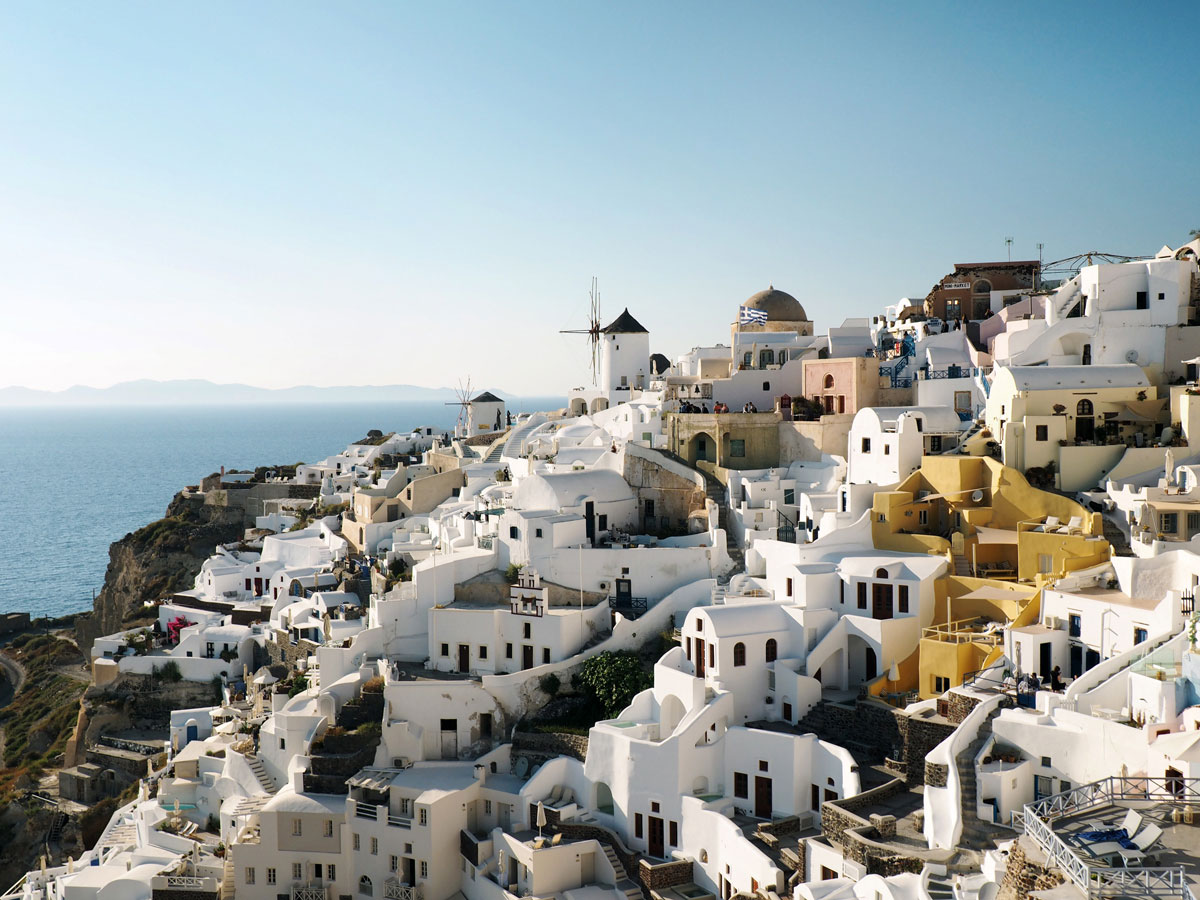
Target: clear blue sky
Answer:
[[332, 193]]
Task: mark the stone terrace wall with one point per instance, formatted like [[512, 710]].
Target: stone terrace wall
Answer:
[[1027, 872], [551, 745]]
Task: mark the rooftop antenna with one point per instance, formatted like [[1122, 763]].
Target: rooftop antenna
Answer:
[[1008, 244], [593, 327]]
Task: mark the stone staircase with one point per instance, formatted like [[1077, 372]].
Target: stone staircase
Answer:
[[715, 492], [227, 877], [625, 884], [975, 833], [261, 773], [962, 568]]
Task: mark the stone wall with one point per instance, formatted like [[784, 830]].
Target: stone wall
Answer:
[[664, 875], [556, 744], [920, 737], [936, 774], [1027, 872], [960, 706], [837, 816]]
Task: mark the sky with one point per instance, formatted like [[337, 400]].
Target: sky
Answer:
[[284, 193]]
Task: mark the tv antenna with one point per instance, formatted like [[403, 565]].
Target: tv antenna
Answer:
[[1008, 243], [593, 327]]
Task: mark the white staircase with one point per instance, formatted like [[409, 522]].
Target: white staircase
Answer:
[[227, 885], [261, 773]]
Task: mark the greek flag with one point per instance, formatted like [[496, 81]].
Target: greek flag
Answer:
[[748, 316]]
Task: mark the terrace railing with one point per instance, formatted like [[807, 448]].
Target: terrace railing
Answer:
[[1104, 881]]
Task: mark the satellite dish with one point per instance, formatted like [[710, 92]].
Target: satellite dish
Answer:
[[977, 495], [1131, 356]]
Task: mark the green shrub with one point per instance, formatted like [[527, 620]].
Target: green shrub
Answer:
[[550, 684], [613, 679], [169, 671], [511, 573]]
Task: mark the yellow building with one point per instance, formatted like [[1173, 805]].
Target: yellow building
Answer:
[[1004, 540]]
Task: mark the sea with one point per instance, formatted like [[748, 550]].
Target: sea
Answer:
[[74, 480]]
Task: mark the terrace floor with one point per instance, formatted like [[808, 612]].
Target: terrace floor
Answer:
[[1178, 846]]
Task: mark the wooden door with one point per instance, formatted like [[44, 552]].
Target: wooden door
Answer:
[[699, 658], [762, 797], [656, 847], [526, 656], [464, 658], [881, 601]]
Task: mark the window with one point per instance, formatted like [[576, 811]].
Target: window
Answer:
[[602, 522], [332, 872], [1045, 563], [828, 382], [297, 827], [766, 385], [1168, 523], [1042, 432], [424, 868], [739, 654], [1083, 408], [902, 598], [250, 875], [357, 842], [424, 816], [1143, 300], [747, 360], [712, 655], [741, 785], [1140, 634], [1074, 625], [528, 631], [512, 531], [270, 875], [922, 517], [393, 863], [789, 587], [674, 834], [952, 309], [772, 650], [737, 448], [329, 828], [537, 532], [1046, 763], [364, 886], [545, 655], [508, 651], [789, 498], [487, 807], [940, 684], [699, 624], [374, 846], [637, 825], [935, 443], [445, 649], [654, 806], [297, 871], [866, 445], [762, 765], [887, 449], [483, 651], [1193, 522], [862, 595]]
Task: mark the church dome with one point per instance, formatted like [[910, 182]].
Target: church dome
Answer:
[[779, 306]]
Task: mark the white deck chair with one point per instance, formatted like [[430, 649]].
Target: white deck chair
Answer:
[[1131, 823], [1051, 524], [1075, 526]]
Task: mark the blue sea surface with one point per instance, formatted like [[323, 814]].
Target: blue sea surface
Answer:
[[76, 479]]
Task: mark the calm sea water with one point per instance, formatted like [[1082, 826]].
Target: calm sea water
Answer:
[[75, 480]]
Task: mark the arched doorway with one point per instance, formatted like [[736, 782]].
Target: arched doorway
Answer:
[[702, 447], [870, 665], [578, 407], [1085, 423]]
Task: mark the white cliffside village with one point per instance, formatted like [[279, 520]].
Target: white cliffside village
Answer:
[[900, 610]]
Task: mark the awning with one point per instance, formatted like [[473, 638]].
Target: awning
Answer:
[[1140, 412], [995, 535], [371, 779], [990, 592]]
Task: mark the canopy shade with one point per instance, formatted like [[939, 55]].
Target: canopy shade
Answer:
[[995, 535]]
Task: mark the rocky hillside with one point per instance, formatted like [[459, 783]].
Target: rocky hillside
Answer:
[[156, 560]]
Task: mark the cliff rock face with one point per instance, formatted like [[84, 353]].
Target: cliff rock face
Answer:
[[155, 561]]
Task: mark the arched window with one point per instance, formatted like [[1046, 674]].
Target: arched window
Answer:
[[982, 286], [828, 382], [881, 573], [364, 886], [1084, 408], [772, 650], [739, 654]]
